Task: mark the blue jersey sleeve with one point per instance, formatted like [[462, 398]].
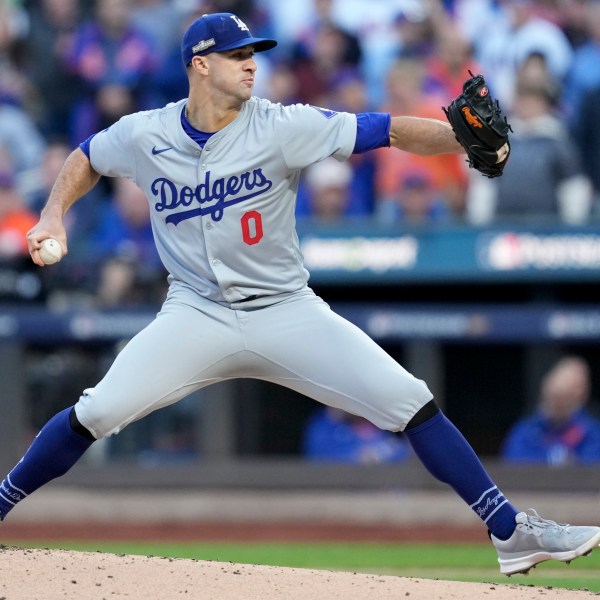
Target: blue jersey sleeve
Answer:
[[372, 131], [85, 146]]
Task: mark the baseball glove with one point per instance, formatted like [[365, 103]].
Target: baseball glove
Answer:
[[479, 126]]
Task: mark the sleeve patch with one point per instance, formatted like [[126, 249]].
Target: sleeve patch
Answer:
[[328, 114]]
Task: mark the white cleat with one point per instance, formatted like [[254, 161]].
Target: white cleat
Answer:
[[536, 540]]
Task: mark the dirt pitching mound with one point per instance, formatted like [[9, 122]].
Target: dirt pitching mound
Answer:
[[64, 575]]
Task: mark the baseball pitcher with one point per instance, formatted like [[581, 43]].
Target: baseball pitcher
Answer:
[[220, 170]]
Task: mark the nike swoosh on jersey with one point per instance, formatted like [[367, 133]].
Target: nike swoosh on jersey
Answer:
[[155, 151]]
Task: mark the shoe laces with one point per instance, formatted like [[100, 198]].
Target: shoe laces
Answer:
[[533, 523]]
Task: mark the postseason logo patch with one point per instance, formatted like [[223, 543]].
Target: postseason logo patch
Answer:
[[203, 45]]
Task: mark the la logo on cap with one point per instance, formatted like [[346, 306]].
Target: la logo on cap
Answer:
[[240, 23], [219, 32]]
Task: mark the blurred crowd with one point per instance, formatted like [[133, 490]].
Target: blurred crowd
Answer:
[[69, 68], [564, 428]]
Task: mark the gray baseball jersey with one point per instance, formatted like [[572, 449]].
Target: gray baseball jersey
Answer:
[[223, 220], [223, 217]]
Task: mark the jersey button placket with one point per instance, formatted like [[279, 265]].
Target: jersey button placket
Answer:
[[204, 154]]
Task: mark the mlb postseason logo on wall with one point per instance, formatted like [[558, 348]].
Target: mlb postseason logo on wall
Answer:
[[517, 251]]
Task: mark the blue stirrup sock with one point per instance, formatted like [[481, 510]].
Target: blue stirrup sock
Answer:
[[438, 444], [53, 452], [449, 458]]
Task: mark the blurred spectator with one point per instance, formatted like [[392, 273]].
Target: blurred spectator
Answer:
[[415, 202], [416, 32], [584, 74], [169, 79], [15, 87], [449, 66], [19, 279], [307, 39], [161, 20], [283, 86], [378, 25], [520, 31], [477, 19], [544, 176], [406, 96], [318, 65], [288, 19], [327, 191], [368, 28], [18, 133], [534, 71], [114, 61], [50, 40], [130, 269], [14, 22], [15, 218], [572, 19], [349, 93], [587, 138], [20, 136], [333, 435], [254, 13], [561, 431]]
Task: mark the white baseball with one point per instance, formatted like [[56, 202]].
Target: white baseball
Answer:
[[502, 153], [50, 252]]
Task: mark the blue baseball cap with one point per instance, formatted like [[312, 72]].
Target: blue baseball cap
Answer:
[[218, 32]]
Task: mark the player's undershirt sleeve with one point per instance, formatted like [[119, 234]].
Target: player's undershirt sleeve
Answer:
[[85, 145], [372, 131]]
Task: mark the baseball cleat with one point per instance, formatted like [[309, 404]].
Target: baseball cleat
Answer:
[[536, 540]]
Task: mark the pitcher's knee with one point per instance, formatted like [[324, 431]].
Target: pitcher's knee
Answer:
[[77, 427], [402, 406], [98, 417]]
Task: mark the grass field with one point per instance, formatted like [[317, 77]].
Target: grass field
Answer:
[[464, 562]]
